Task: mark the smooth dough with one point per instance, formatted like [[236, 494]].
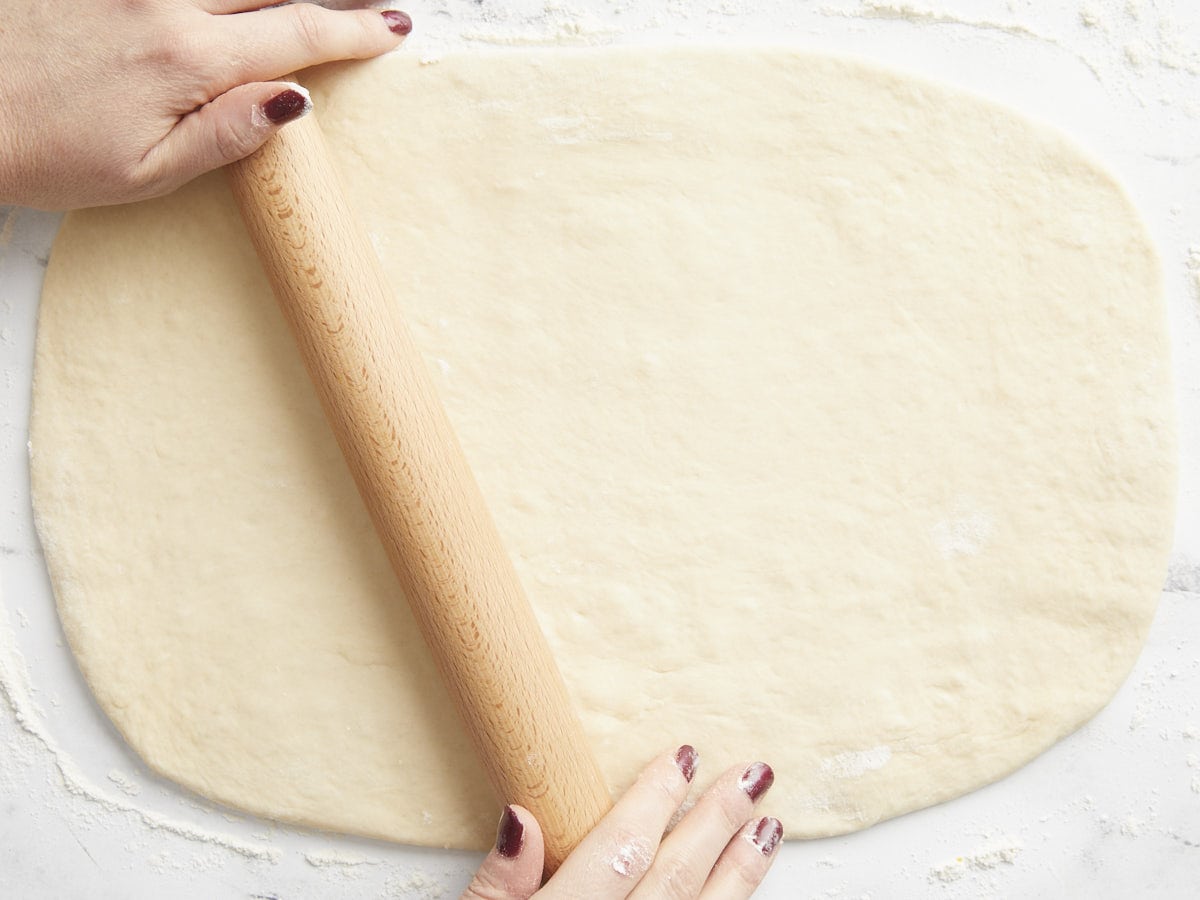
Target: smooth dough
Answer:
[[825, 411]]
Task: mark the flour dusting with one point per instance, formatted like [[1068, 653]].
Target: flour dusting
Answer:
[[323, 859], [415, 883], [1193, 270], [919, 14], [1183, 575], [1133, 827], [18, 696], [994, 852], [856, 763], [965, 533], [127, 785], [632, 859]]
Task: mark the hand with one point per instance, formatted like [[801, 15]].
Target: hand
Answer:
[[715, 851], [108, 101]]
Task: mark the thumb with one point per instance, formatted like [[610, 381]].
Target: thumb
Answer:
[[513, 871], [224, 130]]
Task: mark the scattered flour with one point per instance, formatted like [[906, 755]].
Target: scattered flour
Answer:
[[127, 785], [965, 533], [1193, 270], [856, 763], [18, 695], [346, 864], [1133, 827], [926, 15], [998, 851], [632, 859], [1091, 17], [415, 883], [1183, 573], [206, 850], [1138, 718]]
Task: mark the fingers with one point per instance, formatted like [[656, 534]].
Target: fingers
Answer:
[[270, 43], [715, 852], [745, 861], [229, 128], [693, 847], [610, 861], [512, 871], [261, 45]]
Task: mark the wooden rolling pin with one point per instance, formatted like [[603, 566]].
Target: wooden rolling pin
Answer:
[[411, 472]]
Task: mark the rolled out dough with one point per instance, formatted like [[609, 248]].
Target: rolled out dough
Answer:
[[825, 411]]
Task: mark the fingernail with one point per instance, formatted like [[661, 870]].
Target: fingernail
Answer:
[[510, 836], [756, 780], [397, 22], [286, 105], [685, 758], [766, 835]]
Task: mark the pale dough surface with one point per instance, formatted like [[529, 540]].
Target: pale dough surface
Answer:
[[825, 411]]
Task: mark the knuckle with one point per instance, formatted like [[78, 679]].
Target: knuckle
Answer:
[[139, 7], [370, 35], [308, 21], [678, 878], [484, 887], [733, 813], [174, 52], [747, 869], [632, 855], [232, 142], [137, 179], [723, 810], [729, 803], [665, 788]]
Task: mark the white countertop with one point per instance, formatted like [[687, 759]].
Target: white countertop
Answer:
[[1111, 812]]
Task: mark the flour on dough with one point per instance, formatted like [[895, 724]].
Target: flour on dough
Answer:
[[826, 412]]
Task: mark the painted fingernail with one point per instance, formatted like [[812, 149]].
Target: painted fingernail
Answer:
[[766, 835], [286, 105], [510, 836], [756, 780], [397, 22], [686, 757]]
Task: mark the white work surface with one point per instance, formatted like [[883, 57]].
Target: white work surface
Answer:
[[1111, 812]]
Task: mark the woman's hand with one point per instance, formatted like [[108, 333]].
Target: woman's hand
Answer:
[[718, 850], [108, 101]]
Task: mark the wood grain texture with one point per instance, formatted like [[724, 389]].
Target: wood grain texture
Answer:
[[414, 479]]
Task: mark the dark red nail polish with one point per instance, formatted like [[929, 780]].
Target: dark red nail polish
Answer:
[[397, 22], [686, 757], [756, 780], [766, 835], [285, 106], [510, 836]]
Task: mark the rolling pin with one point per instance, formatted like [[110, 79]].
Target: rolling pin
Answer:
[[418, 488]]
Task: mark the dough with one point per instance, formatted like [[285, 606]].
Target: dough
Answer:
[[825, 411]]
